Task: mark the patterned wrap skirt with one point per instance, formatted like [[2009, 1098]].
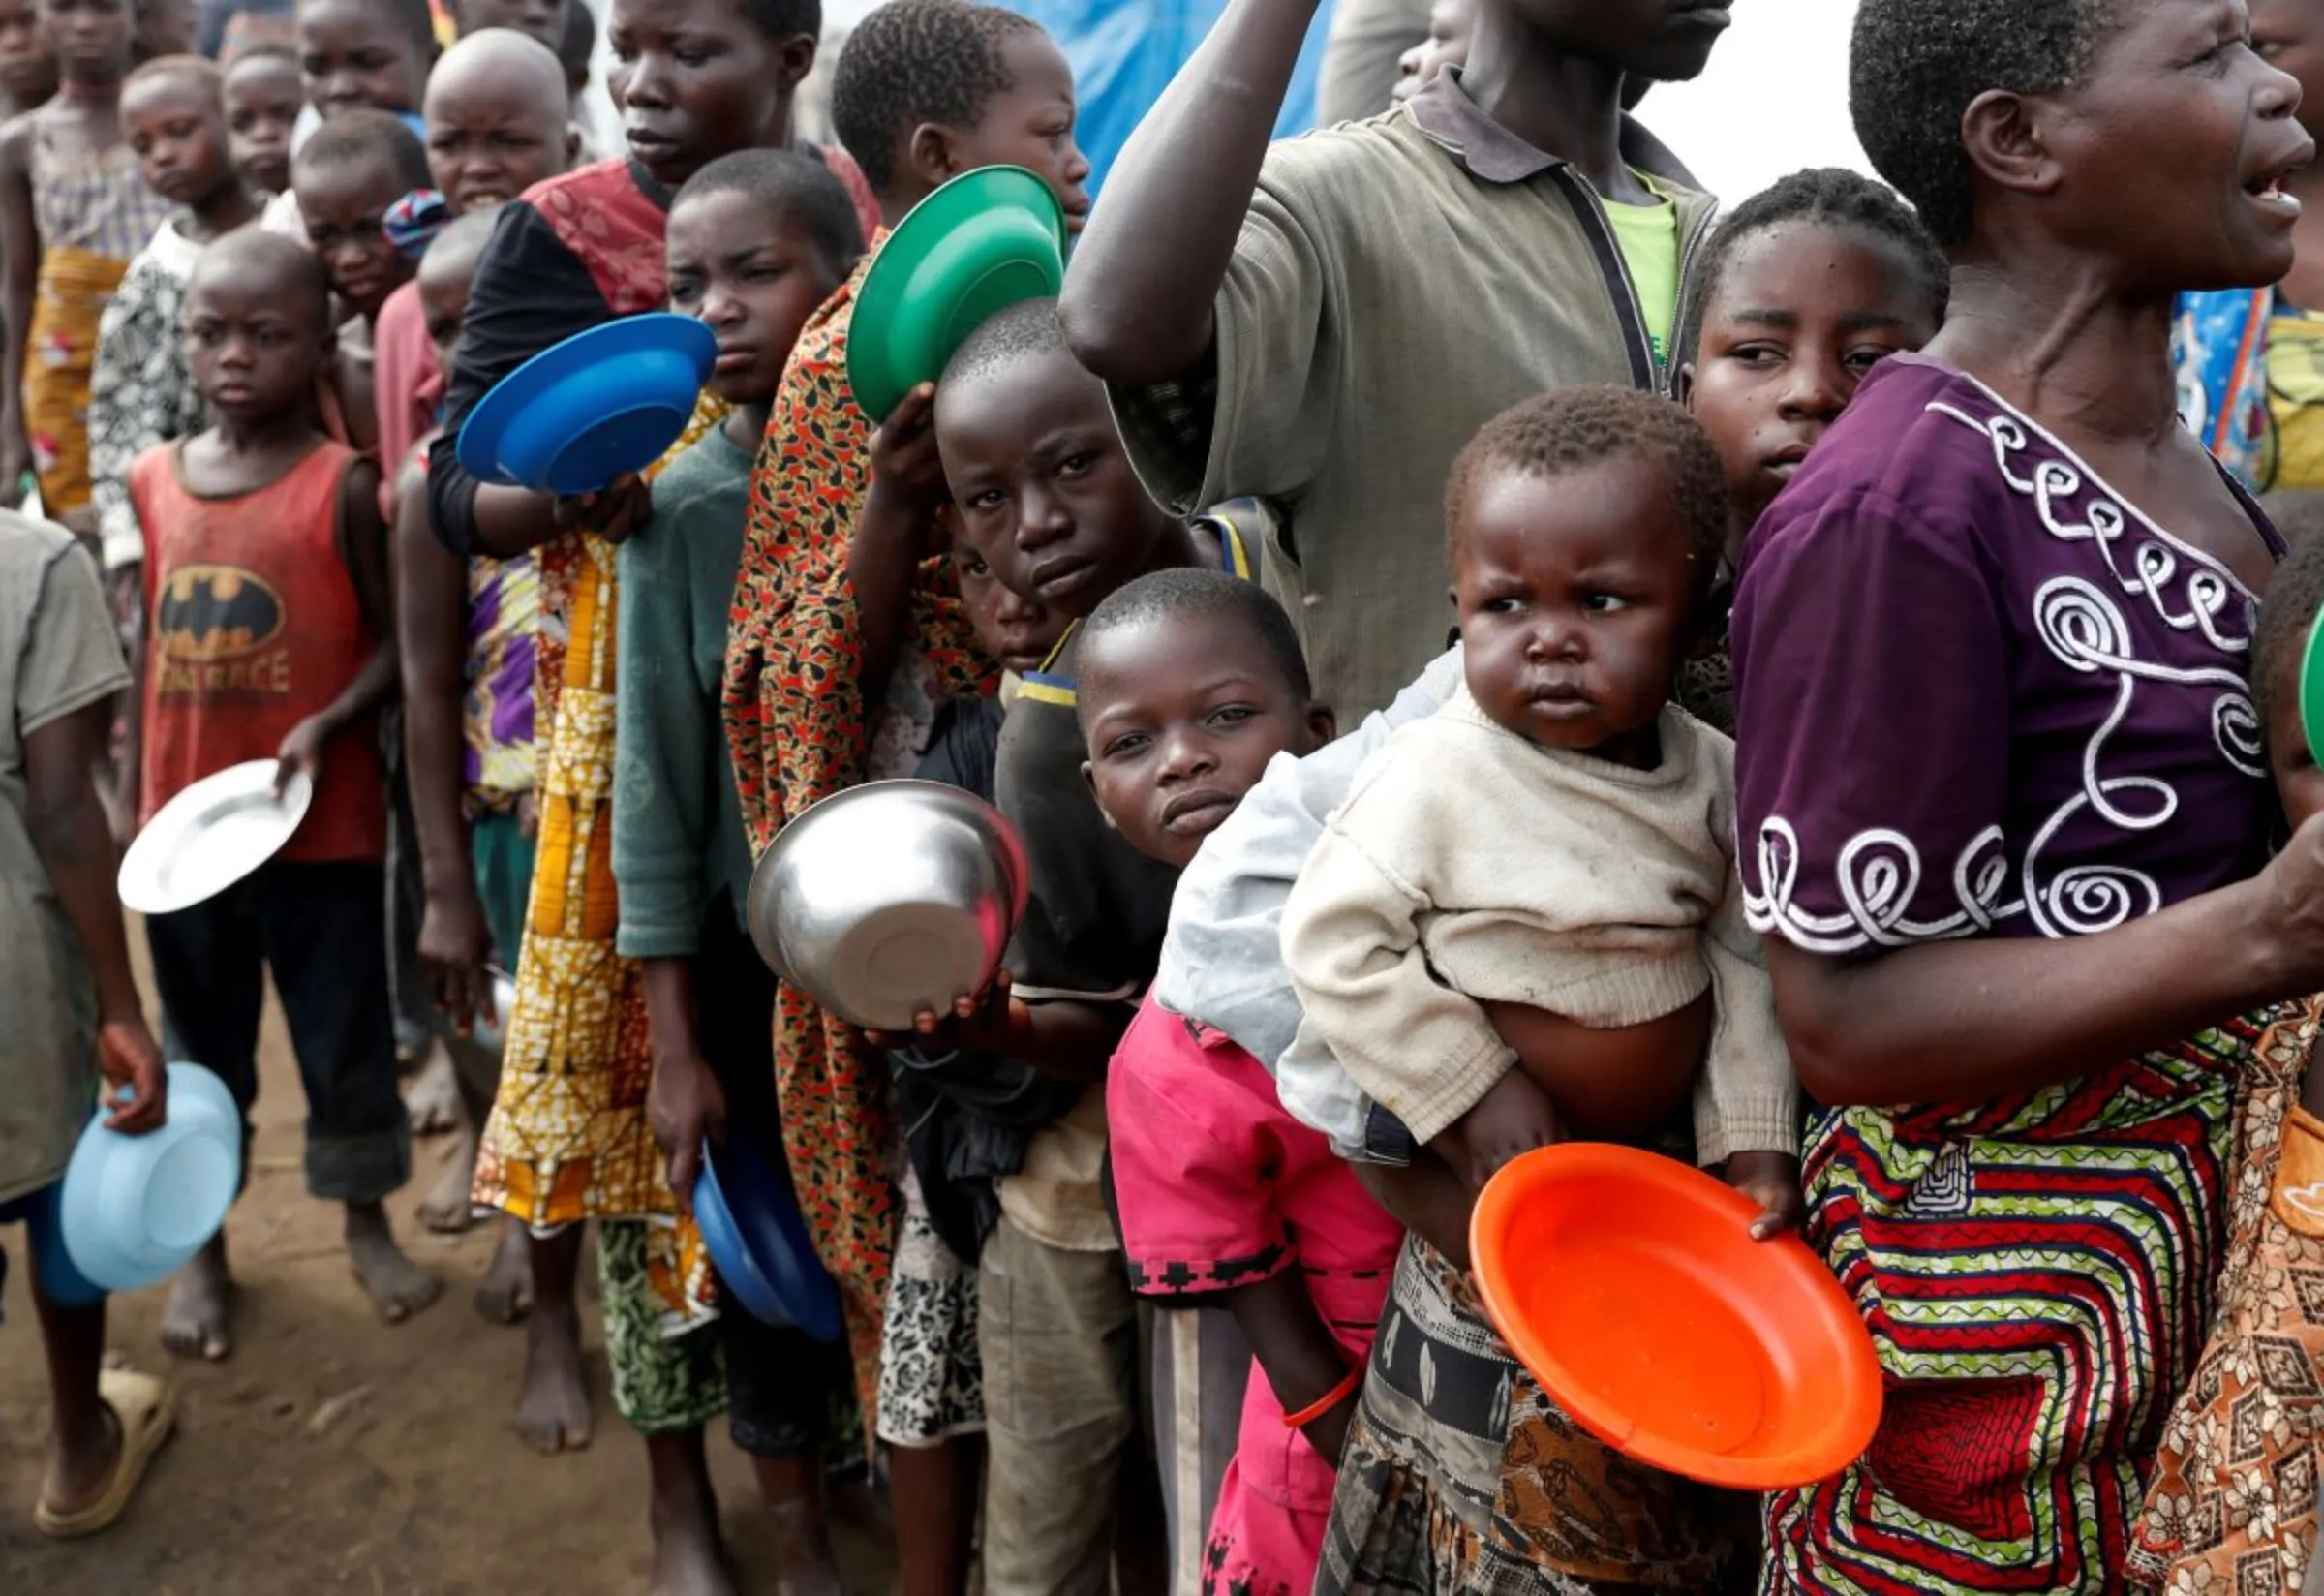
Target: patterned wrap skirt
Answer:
[[2231, 1510], [2037, 1276], [1460, 1478], [60, 357]]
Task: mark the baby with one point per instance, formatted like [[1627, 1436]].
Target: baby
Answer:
[[1524, 921]]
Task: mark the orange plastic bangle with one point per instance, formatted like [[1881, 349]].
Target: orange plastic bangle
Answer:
[[1324, 1404]]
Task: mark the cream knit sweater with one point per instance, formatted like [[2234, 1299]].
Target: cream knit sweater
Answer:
[[1471, 866]]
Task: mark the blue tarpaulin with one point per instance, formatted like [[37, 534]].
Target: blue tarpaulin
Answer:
[[1125, 52]]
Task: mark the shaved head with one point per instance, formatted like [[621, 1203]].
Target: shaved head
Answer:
[[257, 260], [515, 69]]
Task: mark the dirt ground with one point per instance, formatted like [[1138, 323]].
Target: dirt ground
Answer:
[[333, 1453]]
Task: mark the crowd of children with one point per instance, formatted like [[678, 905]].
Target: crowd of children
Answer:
[[1152, 1255]]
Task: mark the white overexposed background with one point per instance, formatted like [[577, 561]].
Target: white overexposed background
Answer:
[[1773, 99]]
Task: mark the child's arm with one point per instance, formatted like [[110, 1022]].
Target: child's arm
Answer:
[[71, 665], [1427, 1199], [20, 244], [1352, 950], [431, 605], [1137, 315], [893, 534], [666, 740], [363, 550], [1747, 1108], [76, 845], [1302, 1359]]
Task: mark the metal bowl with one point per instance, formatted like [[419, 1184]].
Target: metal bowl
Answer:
[[889, 898]]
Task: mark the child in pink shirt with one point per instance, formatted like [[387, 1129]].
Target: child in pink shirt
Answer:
[[1224, 1199]]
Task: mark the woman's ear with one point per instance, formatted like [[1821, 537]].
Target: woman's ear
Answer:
[[2003, 137], [1682, 387]]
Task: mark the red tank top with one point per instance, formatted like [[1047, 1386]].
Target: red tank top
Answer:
[[253, 624]]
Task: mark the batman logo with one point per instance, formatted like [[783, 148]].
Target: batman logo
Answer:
[[215, 612]]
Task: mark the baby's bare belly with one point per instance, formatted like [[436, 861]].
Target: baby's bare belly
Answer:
[[1611, 1085]]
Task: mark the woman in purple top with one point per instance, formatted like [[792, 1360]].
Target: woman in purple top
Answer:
[[2002, 803]]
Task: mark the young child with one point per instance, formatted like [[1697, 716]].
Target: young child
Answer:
[[966, 1120], [756, 240], [1190, 682], [358, 54], [345, 179], [264, 97], [71, 1000], [267, 636], [543, 20], [74, 211], [496, 115], [923, 90], [27, 61], [2232, 1503], [165, 28], [465, 636], [1364, 252], [1044, 495], [1492, 980], [141, 390]]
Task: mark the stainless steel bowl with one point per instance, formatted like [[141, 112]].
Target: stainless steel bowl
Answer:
[[889, 898]]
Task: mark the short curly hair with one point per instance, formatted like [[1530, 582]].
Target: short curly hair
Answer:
[[366, 135], [1571, 429], [2286, 616], [799, 188], [914, 61], [1915, 66], [1831, 197], [1193, 594]]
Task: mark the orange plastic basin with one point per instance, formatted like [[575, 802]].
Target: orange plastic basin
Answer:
[[1630, 1285]]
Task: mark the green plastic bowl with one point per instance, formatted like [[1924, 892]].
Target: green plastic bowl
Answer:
[[988, 239]]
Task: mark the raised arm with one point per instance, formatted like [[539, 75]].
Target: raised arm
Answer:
[[1135, 314]]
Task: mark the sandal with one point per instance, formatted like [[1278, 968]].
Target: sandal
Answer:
[[145, 1413]]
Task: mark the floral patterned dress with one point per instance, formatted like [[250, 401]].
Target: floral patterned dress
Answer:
[[799, 731]]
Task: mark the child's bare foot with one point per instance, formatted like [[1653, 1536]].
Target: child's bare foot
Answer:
[[432, 1098], [688, 1557], [194, 1323], [397, 1286], [552, 1411], [803, 1549], [506, 1295], [449, 1210]]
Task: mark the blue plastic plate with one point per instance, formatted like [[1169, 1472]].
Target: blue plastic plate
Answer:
[[133, 1208], [750, 1223], [582, 413]]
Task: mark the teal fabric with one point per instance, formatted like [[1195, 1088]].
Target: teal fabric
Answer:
[[678, 837]]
